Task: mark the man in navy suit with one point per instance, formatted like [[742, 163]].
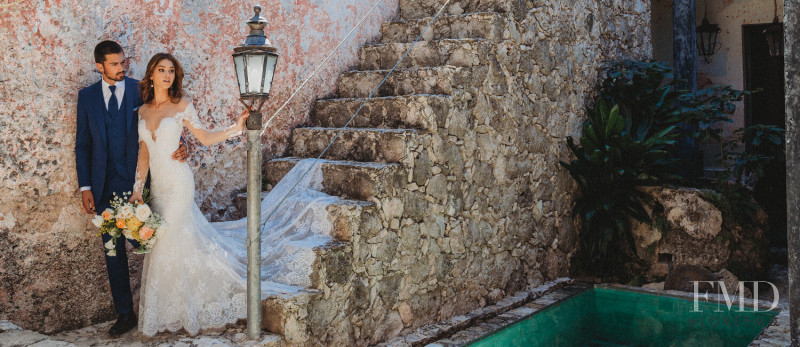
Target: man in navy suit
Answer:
[[106, 152]]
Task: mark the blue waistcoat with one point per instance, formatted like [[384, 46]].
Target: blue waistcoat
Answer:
[[116, 172]]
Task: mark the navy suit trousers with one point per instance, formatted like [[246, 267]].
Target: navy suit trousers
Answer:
[[117, 266]]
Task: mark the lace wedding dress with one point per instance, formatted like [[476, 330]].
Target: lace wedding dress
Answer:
[[195, 276]]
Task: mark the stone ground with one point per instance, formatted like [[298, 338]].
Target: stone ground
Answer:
[[96, 335], [456, 331], [777, 334]]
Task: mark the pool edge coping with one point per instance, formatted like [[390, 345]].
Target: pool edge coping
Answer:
[[439, 331], [483, 326]]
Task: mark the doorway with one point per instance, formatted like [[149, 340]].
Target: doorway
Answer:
[[762, 71], [765, 72]]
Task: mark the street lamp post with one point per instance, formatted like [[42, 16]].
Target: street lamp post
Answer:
[[255, 67]]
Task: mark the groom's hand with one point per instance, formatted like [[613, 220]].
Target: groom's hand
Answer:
[[88, 202], [181, 154]]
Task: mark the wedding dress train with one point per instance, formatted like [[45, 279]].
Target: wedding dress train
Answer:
[[195, 276]]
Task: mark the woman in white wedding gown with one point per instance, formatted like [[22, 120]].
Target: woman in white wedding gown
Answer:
[[195, 276]]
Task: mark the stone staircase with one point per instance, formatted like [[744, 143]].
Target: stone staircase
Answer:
[[415, 182], [373, 165]]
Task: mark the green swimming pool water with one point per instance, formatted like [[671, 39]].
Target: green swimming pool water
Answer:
[[613, 317]]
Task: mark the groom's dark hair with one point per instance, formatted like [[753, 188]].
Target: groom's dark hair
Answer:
[[103, 48]]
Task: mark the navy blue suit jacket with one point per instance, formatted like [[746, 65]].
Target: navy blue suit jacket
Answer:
[[91, 138]]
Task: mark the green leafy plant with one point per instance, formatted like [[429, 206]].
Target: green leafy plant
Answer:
[[628, 146], [647, 92], [747, 183], [612, 159], [763, 145]]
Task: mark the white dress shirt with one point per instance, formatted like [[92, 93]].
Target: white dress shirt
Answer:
[[119, 93]]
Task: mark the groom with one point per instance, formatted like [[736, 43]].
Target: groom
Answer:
[[106, 152]]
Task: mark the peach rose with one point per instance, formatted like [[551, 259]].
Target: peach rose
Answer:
[[146, 232], [121, 223], [106, 214]]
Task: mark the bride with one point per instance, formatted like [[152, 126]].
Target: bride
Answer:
[[195, 275]]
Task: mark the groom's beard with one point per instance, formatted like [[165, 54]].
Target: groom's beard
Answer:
[[118, 77]]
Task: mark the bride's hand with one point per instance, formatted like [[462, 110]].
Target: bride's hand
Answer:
[[240, 123], [136, 198]]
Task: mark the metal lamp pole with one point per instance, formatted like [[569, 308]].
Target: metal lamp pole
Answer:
[[255, 62], [253, 223]]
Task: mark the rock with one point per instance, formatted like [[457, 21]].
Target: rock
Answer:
[[654, 285], [731, 283], [496, 295], [405, 312], [644, 235], [690, 231], [688, 212], [683, 278], [730, 280]]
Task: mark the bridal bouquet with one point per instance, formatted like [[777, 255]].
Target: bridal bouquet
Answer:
[[134, 221]]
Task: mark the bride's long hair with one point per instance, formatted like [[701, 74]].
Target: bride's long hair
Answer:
[[146, 85]]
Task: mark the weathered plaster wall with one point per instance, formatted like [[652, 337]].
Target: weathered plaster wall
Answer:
[[727, 65], [52, 273]]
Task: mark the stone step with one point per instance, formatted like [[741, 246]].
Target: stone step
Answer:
[[424, 80], [357, 144], [481, 25], [406, 111], [345, 215], [349, 179], [286, 314], [416, 9], [451, 52]]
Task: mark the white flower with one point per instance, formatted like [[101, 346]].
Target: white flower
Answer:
[[109, 244], [143, 212], [125, 212], [97, 221], [112, 253], [128, 234]]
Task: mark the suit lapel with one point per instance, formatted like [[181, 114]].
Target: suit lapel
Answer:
[[100, 112]]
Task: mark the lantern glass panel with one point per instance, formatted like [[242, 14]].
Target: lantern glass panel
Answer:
[[255, 66], [238, 61], [270, 71], [774, 35], [708, 42]]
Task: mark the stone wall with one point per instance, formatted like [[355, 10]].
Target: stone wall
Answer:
[[462, 150], [52, 272], [477, 209]]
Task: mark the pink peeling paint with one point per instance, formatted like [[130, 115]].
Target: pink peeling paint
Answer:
[[49, 43], [46, 57]]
